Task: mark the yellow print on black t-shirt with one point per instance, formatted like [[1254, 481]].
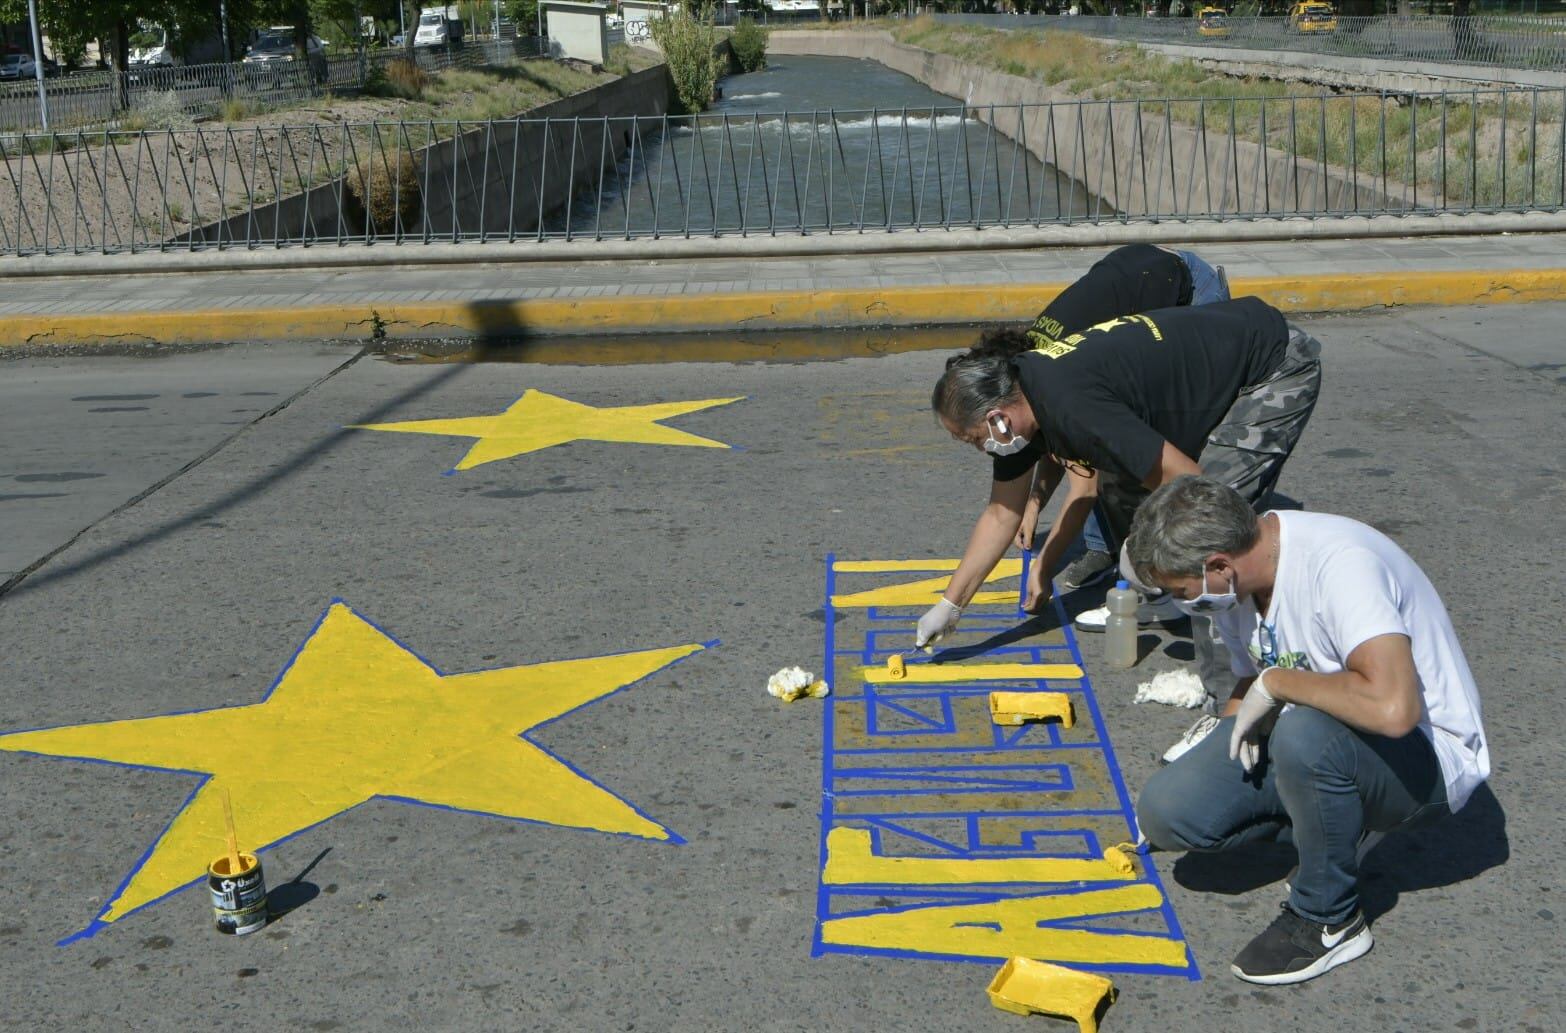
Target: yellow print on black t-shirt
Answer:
[[1054, 348]]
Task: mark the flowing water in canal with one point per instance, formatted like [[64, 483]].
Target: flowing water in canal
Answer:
[[822, 143]]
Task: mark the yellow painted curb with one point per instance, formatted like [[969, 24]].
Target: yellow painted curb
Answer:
[[751, 310]]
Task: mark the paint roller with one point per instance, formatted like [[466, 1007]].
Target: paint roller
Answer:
[[897, 667]]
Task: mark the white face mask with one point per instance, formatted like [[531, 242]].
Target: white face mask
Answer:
[[1208, 602], [1010, 445]]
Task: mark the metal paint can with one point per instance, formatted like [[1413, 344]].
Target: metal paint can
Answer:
[[238, 898]]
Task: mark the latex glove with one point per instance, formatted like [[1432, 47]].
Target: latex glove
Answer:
[[1252, 722], [938, 621]]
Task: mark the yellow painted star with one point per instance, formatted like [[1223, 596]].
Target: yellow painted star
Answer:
[[355, 715], [539, 420]]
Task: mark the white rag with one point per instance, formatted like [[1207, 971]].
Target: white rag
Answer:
[[1175, 688], [791, 683]]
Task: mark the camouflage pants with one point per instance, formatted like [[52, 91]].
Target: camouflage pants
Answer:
[[1246, 451]]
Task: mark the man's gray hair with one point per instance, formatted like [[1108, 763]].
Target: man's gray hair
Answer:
[[1183, 523]]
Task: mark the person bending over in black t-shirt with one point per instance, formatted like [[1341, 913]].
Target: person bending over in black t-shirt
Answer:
[[1130, 279], [1115, 411]]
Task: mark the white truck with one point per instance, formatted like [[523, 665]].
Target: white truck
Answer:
[[439, 27]]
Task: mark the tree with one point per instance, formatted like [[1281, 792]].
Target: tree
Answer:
[[524, 15]]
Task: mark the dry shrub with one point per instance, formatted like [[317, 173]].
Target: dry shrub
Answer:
[[386, 185], [397, 78]]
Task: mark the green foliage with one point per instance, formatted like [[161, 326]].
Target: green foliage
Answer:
[[619, 62], [524, 15], [689, 45], [750, 45]]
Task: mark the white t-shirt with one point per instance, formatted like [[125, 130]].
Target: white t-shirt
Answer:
[[1341, 583]]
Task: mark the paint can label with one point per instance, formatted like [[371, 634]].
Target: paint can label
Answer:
[[238, 901]]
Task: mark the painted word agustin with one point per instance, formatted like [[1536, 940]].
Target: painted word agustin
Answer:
[[946, 835]]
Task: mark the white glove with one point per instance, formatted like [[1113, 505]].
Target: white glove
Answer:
[[938, 621], [1252, 723]]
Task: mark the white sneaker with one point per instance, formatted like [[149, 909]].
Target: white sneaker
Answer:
[[1196, 733], [1150, 613]]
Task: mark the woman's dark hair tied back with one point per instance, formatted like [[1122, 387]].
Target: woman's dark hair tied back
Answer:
[[981, 378], [995, 343]]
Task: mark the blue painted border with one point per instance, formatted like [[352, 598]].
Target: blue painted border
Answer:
[[868, 656]]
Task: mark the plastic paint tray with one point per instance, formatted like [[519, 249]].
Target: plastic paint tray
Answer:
[[1015, 708], [1027, 987]]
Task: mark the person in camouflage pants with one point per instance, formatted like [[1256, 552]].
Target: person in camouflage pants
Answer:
[[1245, 451]]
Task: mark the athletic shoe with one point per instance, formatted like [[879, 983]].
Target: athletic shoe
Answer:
[[1367, 842], [1196, 733], [1089, 568], [1151, 613], [1293, 948]]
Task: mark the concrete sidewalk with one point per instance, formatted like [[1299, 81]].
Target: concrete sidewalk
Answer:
[[498, 299]]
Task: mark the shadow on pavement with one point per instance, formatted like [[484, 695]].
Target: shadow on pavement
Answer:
[[1443, 853], [44, 572], [295, 893], [1453, 850]]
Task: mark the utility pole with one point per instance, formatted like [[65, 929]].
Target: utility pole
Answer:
[[38, 68]]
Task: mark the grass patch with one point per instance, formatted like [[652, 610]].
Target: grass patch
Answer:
[[505, 91], [1495, 151]]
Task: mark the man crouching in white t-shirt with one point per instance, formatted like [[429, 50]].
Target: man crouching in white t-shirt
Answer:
[[1355, 712]]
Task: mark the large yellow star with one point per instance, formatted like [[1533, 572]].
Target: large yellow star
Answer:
[[356, 715], [539, 420]]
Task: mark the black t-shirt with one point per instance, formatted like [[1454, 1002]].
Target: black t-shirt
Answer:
[[1131, 279], [1108, 398]]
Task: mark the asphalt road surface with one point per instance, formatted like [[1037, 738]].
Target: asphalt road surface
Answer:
[[211, 506]]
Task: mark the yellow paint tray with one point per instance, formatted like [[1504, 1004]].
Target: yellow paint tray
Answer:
[[1015, 708], [1027, 987]]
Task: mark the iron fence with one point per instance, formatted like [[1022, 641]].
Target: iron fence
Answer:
[[795, 173], [106, 97], [1506, 40]]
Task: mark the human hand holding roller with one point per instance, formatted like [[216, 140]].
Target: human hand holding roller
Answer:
[[938, 621]]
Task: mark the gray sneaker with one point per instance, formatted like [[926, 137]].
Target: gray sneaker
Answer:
[[1089, 568]]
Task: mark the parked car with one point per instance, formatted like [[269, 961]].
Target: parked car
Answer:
[[1313, 16], [1212, 22], [273, 53], [17, 66], [277, 44], [158, 55]]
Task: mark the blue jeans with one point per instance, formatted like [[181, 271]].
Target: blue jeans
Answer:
[[1206, 287], [1320, 783]]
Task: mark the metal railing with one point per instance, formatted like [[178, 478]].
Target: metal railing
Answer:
[[107, 97], [873, 171], [1506, 40]]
